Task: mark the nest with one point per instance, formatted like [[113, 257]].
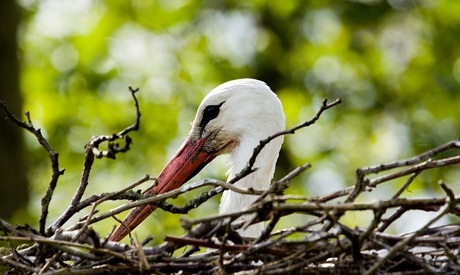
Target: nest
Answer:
[[321, 245]]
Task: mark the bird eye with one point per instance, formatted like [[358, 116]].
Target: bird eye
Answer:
[[210, 113]]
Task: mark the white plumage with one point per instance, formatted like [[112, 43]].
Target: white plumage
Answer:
[[251, 112], [231, 119]]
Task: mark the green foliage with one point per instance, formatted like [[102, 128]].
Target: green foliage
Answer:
[[396, 67]]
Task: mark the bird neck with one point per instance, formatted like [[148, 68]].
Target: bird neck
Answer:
[[260, 179]]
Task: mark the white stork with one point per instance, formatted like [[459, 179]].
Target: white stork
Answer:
[[231, 119]]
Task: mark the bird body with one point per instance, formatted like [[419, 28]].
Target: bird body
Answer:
[[232, 119]]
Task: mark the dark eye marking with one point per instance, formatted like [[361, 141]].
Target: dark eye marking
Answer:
[[210, 113]]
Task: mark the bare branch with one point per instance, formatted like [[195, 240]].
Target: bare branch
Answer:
[[92, 151], [53, 155], [249, 168]]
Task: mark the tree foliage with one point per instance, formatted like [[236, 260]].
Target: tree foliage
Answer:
[[395, 65]]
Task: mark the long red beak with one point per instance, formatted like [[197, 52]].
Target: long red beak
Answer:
[[186, 163]]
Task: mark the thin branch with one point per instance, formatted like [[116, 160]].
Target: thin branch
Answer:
[[171, 194], [411, 161], [121, 194], [429, 164], [92, 151], [249, 167], [430, 204], [53, 155]]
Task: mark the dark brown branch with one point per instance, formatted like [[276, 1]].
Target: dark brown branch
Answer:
[[205, 196], [53, 155], [92, 151], [430, 204], [250, 166], [184, 241], [414, 160]]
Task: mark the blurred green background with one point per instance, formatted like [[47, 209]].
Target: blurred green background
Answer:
[[395, 64]]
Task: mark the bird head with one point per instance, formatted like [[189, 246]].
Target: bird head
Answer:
[[237, 111]]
